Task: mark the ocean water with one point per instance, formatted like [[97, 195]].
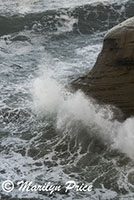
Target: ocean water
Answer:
[[47, 132]]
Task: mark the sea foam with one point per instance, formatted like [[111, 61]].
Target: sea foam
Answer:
[[52, 99]]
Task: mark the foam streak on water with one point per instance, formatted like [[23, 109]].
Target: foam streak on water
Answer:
[[22, 7]]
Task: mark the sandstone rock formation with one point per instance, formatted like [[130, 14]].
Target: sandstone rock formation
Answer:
[[111, 80]]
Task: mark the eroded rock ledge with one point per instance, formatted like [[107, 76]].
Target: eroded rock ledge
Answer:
[[111, 80]]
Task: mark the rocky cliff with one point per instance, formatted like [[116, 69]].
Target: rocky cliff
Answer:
[[111, 80]]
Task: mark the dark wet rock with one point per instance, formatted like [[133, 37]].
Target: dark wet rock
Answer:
[[111, 80]]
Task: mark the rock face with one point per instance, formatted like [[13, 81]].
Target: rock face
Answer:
[[111, 80]]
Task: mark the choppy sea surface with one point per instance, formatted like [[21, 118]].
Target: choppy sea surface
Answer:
[[47, 132]]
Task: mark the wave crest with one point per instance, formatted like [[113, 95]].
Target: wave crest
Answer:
[[81, 19]]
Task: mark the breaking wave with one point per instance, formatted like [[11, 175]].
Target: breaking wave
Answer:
[[77, 110]]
